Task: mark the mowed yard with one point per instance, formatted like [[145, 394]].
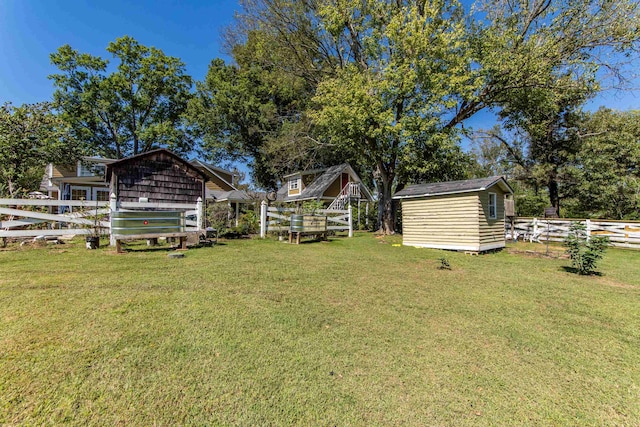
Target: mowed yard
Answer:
[[351, 332]]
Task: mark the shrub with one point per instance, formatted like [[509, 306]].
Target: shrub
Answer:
[[249, 222], [217, 216], [311, 206], [584, 251]]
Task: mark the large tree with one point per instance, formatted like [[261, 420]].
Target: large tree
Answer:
[[30, 137], [127, 110], [547, 122], [256, 111], [609, 165], [394, 80]]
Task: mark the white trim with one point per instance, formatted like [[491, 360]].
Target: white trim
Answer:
[[444, 246], [294, 184], [58, 202], [478, 248], [91, 167], [49, 174], [87, 192], [95, 190], [490, 246], [495, 206]]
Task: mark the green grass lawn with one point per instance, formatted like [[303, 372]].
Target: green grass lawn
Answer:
[[351, 332]]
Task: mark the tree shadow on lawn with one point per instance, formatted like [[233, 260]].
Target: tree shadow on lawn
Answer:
[[577, 272], [312, 241], [136, 248]]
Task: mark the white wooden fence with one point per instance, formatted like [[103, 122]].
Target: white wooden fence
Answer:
[[277, 219], [27, 217], [624, 234]]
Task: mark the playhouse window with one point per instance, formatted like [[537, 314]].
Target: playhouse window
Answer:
[[493, 206], [293, 184]]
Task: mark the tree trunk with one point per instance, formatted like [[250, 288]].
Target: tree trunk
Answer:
[[554, 197], [10, 188], [385, 204]]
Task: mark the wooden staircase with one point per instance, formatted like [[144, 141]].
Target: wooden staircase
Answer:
[[348, 192]]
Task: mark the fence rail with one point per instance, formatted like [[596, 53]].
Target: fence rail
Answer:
[[278, 219], [17, 220], [625, 234]]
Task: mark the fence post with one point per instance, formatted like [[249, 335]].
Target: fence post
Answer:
[[350, 220], [535, 226], [113, 207], [263, 219], [199, 214], [588, 226], [366, 215]]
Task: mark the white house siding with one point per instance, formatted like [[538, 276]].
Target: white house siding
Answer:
[[442, 222], [491, 230]]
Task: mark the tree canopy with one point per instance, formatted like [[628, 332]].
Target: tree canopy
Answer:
[[388, 84], [608, 171], [385, 85], [134, 108], [31, 136]]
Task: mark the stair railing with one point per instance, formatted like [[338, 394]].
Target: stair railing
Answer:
[[351, 190]]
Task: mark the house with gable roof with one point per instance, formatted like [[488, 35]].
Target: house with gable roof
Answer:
[[220, 188], [86, 180], [335, 186]]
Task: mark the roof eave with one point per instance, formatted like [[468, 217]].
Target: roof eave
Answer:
[[213, 172], [446, 193]]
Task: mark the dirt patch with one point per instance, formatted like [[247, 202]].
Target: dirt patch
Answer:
[[553, 254], [605, 281]]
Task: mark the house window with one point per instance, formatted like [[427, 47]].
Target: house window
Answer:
[[80, 193], [95, 169], [493, 206], [294, 184], [100, 195]]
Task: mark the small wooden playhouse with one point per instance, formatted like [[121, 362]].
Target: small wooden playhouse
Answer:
[[457, 215]]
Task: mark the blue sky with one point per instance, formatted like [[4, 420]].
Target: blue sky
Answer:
[[32, 29]]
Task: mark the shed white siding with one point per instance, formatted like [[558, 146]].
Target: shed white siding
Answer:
[[491, 231], [442, 222]]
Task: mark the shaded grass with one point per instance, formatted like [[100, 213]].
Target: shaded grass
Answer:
[[349, 332]]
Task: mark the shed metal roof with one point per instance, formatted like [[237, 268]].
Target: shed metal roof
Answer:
[[452, 187]]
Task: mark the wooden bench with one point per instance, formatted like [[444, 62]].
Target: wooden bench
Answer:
[[120, 237]]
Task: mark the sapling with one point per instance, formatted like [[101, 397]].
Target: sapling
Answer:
[[584, 251]]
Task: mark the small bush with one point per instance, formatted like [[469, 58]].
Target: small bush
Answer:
[[249, 222], [444, 264], [584, 252], [311, 207]]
